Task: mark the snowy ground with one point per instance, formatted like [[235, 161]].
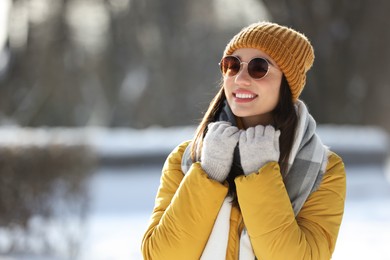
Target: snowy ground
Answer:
[[119, 216]]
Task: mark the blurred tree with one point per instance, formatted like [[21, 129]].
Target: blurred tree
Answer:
[[348, 83], [44, 195], [142, 63], [114, 62], [39, 88], [80, 62], [165, 46]]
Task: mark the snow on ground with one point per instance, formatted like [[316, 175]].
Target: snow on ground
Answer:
[[122, 201], [153, 140], [365, 231]]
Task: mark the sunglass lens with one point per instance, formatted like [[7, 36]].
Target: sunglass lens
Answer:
[[230, 66], [258, 68]]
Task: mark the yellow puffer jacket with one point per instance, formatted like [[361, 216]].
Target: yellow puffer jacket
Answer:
[[186, 207]]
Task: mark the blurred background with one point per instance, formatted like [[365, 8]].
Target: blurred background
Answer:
[[94, 94]]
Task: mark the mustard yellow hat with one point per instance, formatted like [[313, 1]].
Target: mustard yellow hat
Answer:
[[291, 50]]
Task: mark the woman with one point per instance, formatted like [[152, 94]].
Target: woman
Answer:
[[255, 182]]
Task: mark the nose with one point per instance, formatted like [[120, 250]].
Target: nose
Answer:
[[243, 78]]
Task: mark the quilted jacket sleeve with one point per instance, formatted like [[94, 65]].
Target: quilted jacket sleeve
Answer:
[[184, 212], [274, 231]]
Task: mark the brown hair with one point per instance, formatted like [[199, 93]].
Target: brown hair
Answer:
[[285, 118]]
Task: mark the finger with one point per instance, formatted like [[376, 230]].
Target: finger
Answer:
[[259, 130], [236, 135], [269, 130], [242, 136], [217, 126], [212, 126], [223, 123], [276, 140], [250, 133], [277, 134], [229, 131]]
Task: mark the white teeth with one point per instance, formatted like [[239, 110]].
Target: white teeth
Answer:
[[242, 95]]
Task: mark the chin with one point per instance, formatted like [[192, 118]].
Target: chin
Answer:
[[243, 113], [261, 116]]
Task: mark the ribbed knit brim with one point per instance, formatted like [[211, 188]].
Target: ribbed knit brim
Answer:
[[291, 50]]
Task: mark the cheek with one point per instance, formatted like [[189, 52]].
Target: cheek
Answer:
[[274, 90], [227, 84], [275, 95]]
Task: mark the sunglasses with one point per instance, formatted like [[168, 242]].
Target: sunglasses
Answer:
[[257, 68]]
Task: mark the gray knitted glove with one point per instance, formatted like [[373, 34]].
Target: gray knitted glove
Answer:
[[258, 145], [218, 148]]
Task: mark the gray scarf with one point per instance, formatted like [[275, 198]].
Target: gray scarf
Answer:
[[307, 162]]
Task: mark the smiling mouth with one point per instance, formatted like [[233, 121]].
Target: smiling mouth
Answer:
[[244, 95]]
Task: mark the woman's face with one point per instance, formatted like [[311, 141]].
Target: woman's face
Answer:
[[253, 100]]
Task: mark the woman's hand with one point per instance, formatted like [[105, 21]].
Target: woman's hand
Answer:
[[258, 146], [218, 148]]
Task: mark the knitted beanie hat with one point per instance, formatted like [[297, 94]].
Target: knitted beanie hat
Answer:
[[290, 49]]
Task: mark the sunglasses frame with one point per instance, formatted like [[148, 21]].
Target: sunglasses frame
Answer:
[[247, 65]]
